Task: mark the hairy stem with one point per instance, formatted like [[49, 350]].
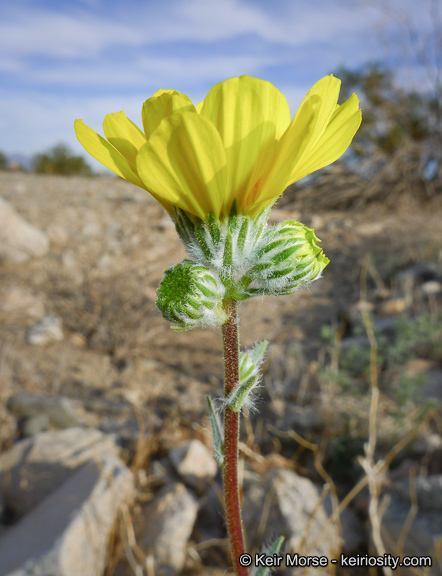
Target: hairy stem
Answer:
[[231, 436]]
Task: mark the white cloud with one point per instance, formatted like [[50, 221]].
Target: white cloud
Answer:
[[129, 50], [41, 32]]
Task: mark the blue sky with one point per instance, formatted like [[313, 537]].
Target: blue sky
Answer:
[[67, 59]]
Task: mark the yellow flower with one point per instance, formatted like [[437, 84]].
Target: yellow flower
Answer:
[[237, 144]]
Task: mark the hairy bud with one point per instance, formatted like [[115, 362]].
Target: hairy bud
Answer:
[[286, 258], [190, 295]]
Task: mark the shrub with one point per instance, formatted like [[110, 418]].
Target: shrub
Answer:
[[60, 160]]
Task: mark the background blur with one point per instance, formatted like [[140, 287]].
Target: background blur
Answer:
[[105, 445], [83, 59]]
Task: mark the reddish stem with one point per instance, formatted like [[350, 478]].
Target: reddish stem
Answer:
[[231, 437]]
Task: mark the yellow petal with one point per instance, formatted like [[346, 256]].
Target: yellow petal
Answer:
[[334, 141], [250, 115], [184, 163], [288, 151], [328, 90], [105, 153], [163, 103], [124, 135]]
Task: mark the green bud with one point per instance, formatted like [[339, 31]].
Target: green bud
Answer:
[[287, 257], [249, 376], [190, 295]]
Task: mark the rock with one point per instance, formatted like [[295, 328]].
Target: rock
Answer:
[[194, 463], [209, 524], [370, 229], [169, 521], [415, 276], [162, 473], [78, 340], [393, 306], [290, 501], [431, 288], [426, 445], [19, 240], [91, 229], [127, 432], [317, 222], [21, 301], [67, 533], [32, 426], [425, 530], [46, 330], [428, 490], [58, 411], [37, 466]]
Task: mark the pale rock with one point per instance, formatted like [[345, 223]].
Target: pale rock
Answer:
[[19, 240], [162, 473], [36, 466], [91, 229], [46, 330], [194, 463], [431, 288], [18, 300], [292, 506], [68, 260], [59, 411], [67, 534], [414, 277], [168, 524], [70, 263], [317, 222], [393, 306], [33, 425], [370, 228], [20, 188], [78, 340]]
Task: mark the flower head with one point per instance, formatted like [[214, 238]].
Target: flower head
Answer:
[[236, 146]]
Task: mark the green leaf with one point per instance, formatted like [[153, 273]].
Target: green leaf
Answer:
[[218, 439], [238, 396], [259, 351], [273, 549]]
